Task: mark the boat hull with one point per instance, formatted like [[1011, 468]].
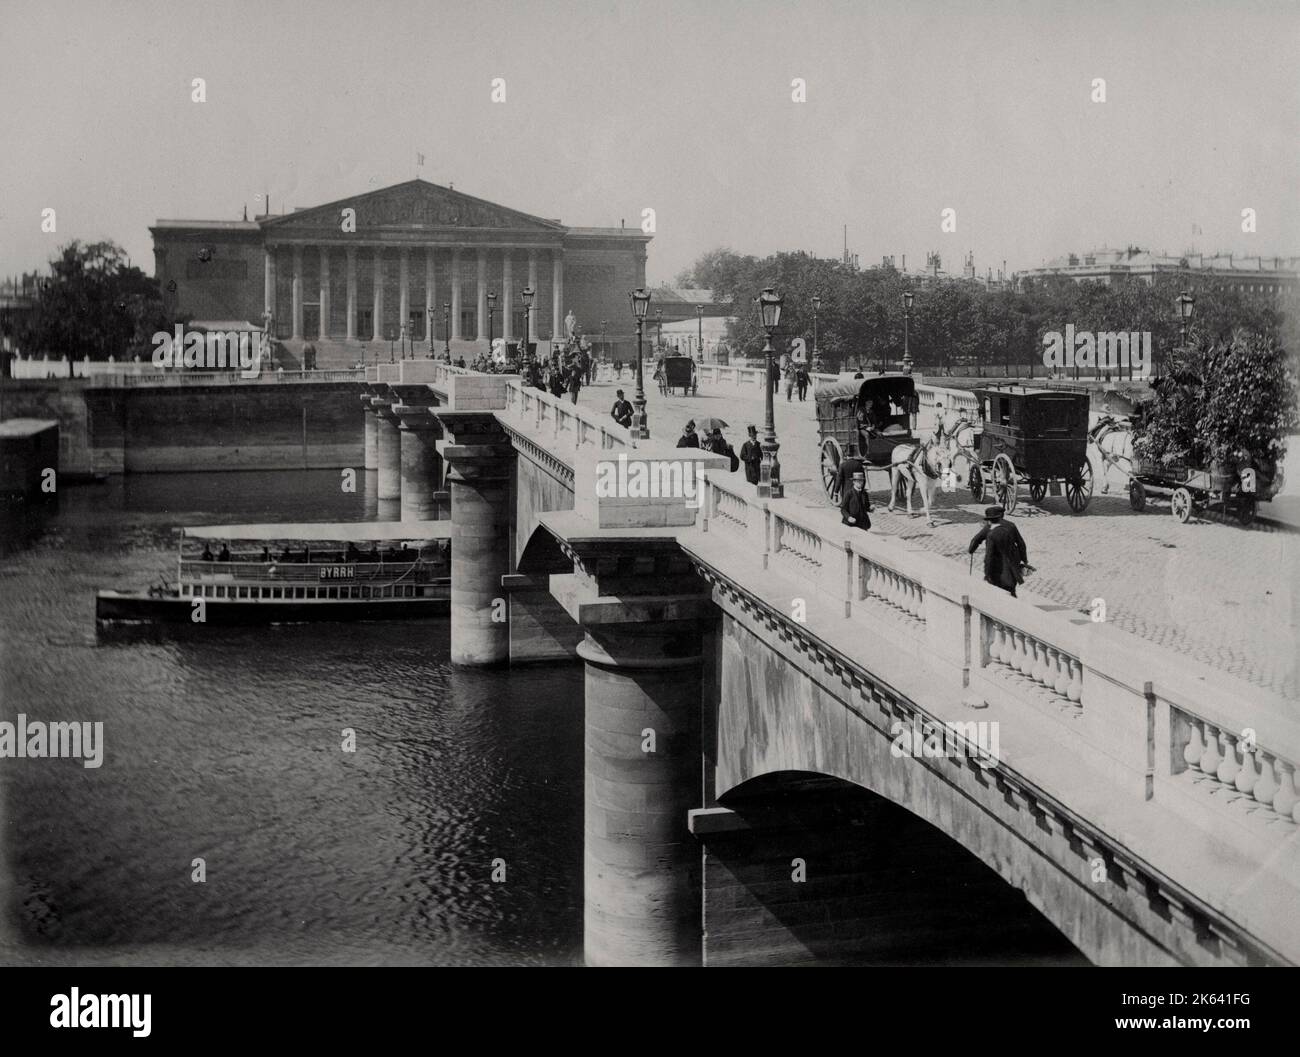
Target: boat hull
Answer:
[[141, 607]]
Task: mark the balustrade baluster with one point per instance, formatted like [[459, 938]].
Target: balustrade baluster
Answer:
[[1061, 680], [1039, 670], [1075, 690], [1195, 747], [1266, 786], [1228, 767], [1211, 758], [1246, 776], [1285, 799]]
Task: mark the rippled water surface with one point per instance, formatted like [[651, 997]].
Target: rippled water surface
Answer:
[[225, 745]]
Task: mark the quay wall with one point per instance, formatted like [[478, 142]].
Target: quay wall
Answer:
[[288, 426]]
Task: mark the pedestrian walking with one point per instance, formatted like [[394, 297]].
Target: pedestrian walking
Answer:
[[1005, 555], [622, 411], [751, 454], [855, 506], [575, 380], [689, 439], [801, 381]]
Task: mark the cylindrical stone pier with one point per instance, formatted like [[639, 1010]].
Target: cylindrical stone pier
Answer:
[[421, 463], [388, 445], [641, 864], [479, 465], [372, 437]]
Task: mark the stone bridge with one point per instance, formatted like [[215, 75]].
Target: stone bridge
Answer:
[[791, 727]]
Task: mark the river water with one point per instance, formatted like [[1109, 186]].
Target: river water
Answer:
[[226, 745]]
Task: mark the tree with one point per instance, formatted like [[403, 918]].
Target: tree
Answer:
[[95, 305]]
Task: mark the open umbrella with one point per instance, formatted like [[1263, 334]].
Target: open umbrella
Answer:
[[708, 425]]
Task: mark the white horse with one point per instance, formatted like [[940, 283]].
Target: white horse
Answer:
[[923, 467], [1113, 438]]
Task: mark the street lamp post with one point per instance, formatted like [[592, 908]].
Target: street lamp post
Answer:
[[659, 322], [907, 320], [492, 307], [816, 356], [446, 332], [431, 325], [604, 348], [527, 297], [1185, 303], [640, 306], [769, 478], [699, 316]]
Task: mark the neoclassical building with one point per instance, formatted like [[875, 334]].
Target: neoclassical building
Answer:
[[356, 274]]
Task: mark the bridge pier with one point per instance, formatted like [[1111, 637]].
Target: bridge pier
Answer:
[[480, 460], [371, 459], [388, 448], [643, 614], [421, 465]]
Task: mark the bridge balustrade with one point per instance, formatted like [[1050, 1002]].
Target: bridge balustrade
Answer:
[[1193, 738], [571, 425]]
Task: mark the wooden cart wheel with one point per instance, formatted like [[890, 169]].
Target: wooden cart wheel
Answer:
[[832, 456], [1246, 509], [1005, 484], [977, 483], [1137, 495], [1078, 489], [1037, 489], [1181, 505]]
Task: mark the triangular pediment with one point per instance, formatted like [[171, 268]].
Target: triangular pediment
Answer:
[[414, 204]]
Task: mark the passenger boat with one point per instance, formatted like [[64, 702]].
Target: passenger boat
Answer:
[[291, 573]]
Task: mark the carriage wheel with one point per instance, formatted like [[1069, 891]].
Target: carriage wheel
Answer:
[[1037, 489], [1005, 484], [1181, 505], [1137, 495], [1078, 489], [1246, 509], [976, 483], [832, 456]]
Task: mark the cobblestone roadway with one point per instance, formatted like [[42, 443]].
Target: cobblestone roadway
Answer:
[[1215, 592]]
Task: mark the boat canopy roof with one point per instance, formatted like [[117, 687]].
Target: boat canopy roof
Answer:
[[326, 531]]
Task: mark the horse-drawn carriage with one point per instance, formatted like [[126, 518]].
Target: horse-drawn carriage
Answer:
[[1236, 491], [864, 420], [1035, 435], [676, 372]]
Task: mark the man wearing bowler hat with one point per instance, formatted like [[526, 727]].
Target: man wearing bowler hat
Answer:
[[1005, 556], [855, 507]]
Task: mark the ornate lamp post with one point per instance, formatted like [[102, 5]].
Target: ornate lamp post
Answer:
[[604, 348], [431, 325], [390, 346], [1185, 303], [659, 322], [401, 342], [817, 356], [527, 297], [907, 320], [640, 306], [699, 316], [769, 476], [446, 331], [492, 307]]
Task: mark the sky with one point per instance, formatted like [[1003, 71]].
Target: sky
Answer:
[[979, 106]]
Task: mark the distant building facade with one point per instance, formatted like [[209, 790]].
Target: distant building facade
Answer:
[[370, 267], [1257, 276]]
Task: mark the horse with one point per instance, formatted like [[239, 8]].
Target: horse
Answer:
[[922, 466], [1113, 438]]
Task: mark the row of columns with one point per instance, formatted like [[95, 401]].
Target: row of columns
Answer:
[[401, 435], [430, 290]]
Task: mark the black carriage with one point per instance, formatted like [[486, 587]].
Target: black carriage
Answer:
[[1033, 435], [676, 372], [864, 419]]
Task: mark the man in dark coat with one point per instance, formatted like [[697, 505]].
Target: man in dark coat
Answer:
[[689, 438], [848, 467], [751, 454], [855, 506], [1005, 555], [622, 411]]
